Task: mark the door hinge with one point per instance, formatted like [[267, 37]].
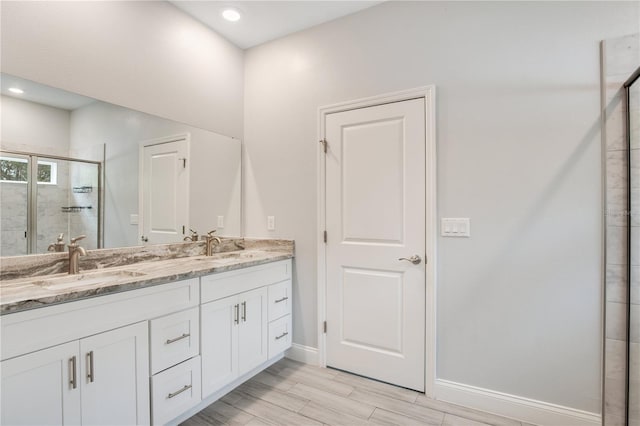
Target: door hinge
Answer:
[[324, 145], [324, 327], [325, 236]]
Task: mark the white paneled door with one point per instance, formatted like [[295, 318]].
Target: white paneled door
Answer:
[[375, 217], [165, 192]]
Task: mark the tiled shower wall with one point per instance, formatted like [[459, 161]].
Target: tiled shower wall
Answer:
[[621, 56]]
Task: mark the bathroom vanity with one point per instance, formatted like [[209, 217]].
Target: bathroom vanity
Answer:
[[151, 342]]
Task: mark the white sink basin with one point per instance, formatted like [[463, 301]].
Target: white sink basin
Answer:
[[86, 279]]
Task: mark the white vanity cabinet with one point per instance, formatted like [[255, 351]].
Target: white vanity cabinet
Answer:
[[154, 355], [36, 388], [234, 319], [101, 379], [87, 361], [234, 338]]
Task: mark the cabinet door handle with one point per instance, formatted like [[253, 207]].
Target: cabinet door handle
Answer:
[[282, 335], [244, 311], [282, 300], [237, 317], [178, 392], [72, 372], [90, 375], [184, 336]]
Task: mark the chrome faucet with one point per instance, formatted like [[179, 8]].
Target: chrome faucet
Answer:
[[193, 237], [74, 251], [210, 240], [58, 245]]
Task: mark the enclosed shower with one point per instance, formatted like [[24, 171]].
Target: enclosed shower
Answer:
[[48, 199]]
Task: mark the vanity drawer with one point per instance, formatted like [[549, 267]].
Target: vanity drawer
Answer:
[[279, 300], [175, 391], [174, 338], [221, 285], [279, 335]]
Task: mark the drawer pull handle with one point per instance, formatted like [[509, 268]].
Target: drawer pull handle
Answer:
[[73, 381], [178, 392], [170, 341], [282, 335], [90, 374], [282, 300]]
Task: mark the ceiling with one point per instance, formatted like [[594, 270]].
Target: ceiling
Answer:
[[42, 94], [263, 21]]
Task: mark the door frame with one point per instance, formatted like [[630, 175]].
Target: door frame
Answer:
[[428, 93], [158, 141]]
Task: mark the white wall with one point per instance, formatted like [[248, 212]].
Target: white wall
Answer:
[[518, 138], [147, 56], [32, 127], [214, 166]]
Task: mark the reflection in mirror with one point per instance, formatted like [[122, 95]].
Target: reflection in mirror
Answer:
[[45, 198], [52, 122]]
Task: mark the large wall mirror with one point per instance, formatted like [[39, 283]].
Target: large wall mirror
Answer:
[[73, 165]]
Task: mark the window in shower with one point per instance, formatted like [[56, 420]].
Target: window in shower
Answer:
[[15, 169]]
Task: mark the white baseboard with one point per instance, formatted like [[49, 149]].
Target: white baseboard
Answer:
[[516, 407], [301, 353]]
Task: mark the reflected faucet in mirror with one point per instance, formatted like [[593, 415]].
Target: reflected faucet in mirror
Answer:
[[193, 237], [58, 246], [74, 252]]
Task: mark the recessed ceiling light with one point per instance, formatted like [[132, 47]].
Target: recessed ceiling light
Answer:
[[231, 15], [16, 90]]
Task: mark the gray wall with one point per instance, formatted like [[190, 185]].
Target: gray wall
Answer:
[[518, 138], [148, 56]]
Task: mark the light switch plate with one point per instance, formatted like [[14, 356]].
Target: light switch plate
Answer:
[[220, 222], [455, 227], [133, 219], [271, 223]]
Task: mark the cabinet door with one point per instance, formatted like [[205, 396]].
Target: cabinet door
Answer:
[[252, 332], [39, 388], [115, 376], [219, 333]]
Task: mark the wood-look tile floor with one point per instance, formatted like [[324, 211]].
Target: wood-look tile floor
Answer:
[[292, 393]]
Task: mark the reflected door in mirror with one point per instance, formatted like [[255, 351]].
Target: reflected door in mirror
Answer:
[[165, 191]]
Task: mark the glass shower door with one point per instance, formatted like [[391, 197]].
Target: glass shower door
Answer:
[[44, 197], [66, 202], [14, 201], [633, 129]]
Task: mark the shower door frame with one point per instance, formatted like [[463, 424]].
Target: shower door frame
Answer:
[[32, 194], [627, 89]]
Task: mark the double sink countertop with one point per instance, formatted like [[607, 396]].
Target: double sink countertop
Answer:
[[32, 292]]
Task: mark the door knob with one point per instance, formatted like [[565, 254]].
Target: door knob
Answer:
[[415, 259]]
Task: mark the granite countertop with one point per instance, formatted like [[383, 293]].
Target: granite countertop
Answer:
[[35, 292]]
